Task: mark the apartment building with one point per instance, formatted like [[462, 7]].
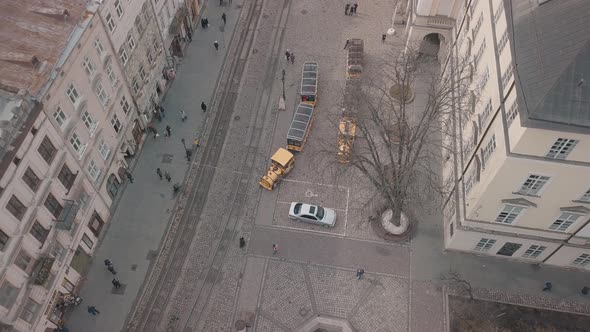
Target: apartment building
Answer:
[[69, 127], [520, 159], [175, 19]]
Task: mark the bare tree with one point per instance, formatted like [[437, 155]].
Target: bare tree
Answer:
[[455, 279], [400, 139]]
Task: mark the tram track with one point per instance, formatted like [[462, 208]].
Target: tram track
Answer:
[[159, 286]]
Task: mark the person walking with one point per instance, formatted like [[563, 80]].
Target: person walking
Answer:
[[159, 172], [347, 42], [548, 286], [287, 55], [129, 176], [383, 36], [346, 8], [353, 9], [111, 269], [107, 262], [161, 109], [292, 56], [224, 18], [167, 176], [216, 44], [242, 242], [203, 106], [168, 130], [116, 283], [183, 116], [92, 310], [359, 273], [275, 249], [585, 290]]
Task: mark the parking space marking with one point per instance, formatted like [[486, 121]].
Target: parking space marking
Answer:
[[289, 203], [308, 230], [315, 183], [346, 211]]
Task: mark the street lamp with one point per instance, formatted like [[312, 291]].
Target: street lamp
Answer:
[[282, 98], [188, 152]]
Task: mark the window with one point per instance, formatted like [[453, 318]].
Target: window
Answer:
[[101, 94], [31, 179], [498, 12], [503, 41], [104, 150], [89, 122], [76, 143], [561, 148], [8, 294], [534, 251], [89, 67], [586, 196], [87, 241], [110, 22], [509, 214], [67, 285], [479, 53], [52, 204], [564, 221], [16, 208], [138, 25], [39, 232], [507, 76], [489, 149], [123, 55], [149, 56], [3, 240], [135, 86], [469, 183], [96, 224], [73, 94], [93, 170], [512, 112], [118, 8], [116, 123], [484, 78], [156, 46], [59, 116], [477, 26], [533, 185], [111, 74], [485, 115], [582, 261], [30, 311], [98, 47], [66, 177], [125, 104], [484, 245], [24, 261], [47, 150], [131, 42], [142, 73]]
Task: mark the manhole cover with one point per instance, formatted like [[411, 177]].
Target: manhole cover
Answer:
[[303, 312], [310, 193], [237, 118], [304, 12]]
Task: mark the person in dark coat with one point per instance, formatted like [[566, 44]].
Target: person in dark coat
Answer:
[[346, 9]]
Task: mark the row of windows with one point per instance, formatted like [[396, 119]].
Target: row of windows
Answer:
[[510, 213], [533, 251]]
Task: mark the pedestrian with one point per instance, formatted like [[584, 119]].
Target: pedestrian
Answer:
[[292, 56], [359, 273], [347, 42], [346, 8], [203, 106], [159, 172], [196, 142], [275, 249], [168, 130], [548, 286], [92, 310], [220, 3], [111, 269], [129, 176], [107, 262], [242, 242], [287, 55], [216, 44], [161, 109], [206, 22], [585, 290], [224, 18], [353, 8], [156, 133], [383, 36], [116, 283], [189, 34], [167, 176], [203, 23], [183, 116]]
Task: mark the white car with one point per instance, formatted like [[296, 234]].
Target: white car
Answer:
[[312, 214]]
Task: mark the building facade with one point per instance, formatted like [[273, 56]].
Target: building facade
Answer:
[[519, 157], [70, 127]]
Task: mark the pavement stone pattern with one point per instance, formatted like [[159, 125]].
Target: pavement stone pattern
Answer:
[[266, 325], [427, 307]]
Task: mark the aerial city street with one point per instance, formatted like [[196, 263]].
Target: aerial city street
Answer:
[[294, 165]]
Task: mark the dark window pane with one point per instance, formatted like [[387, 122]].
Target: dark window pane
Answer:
[[66, 177], [31, 179], [47, 150], [3, 240], [15, 207], [53, 205], [39, 232]]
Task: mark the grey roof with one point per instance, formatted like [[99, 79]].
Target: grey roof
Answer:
[[551, 44]]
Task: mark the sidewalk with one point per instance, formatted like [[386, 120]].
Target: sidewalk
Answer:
[[137, 226]]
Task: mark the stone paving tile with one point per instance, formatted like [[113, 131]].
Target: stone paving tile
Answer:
[[336, 291], [265, 325], [427, 307], [285, 295], [386, 307]]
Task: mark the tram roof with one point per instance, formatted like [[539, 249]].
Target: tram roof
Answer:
[[300, 122]]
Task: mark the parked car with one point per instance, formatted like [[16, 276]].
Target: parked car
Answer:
[[312, 214]]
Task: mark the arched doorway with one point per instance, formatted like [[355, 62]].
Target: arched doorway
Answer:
[[113, 185], [430, 45]]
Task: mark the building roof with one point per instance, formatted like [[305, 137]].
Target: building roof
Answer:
[[551, 45], [33, 34]]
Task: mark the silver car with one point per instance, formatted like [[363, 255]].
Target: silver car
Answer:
[[312, 214]]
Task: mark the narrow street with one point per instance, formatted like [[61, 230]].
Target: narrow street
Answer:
[[179, 256]]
